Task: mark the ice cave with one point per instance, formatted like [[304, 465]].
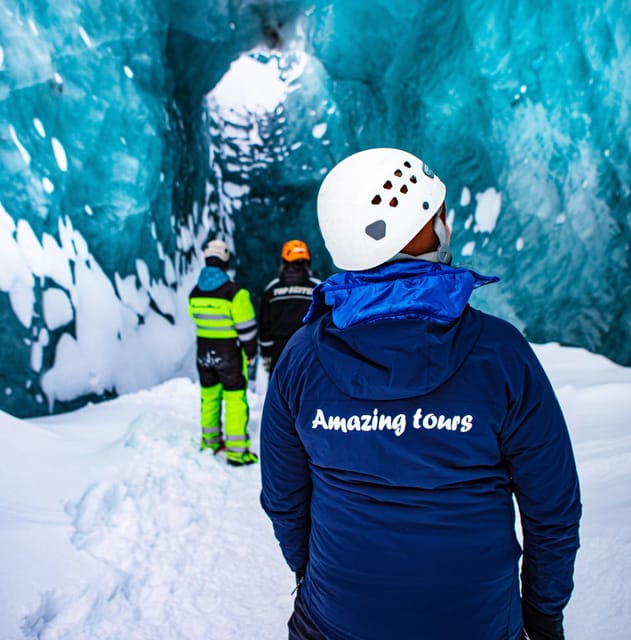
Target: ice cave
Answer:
[[134, 130]]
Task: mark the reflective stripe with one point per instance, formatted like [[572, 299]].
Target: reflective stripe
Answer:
[[208, 316], [240, 438], [246, 330], [214, 328], [296, 297], [211, 430], [211, 435], [234, 449], [240, 326], [266, 343], [248, 336]]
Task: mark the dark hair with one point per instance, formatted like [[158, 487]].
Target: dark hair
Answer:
[[303, 264], [213, 261]]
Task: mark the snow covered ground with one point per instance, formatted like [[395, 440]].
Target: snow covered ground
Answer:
[[113, 526]]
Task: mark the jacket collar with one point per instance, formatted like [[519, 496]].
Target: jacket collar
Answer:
[[406, 289], [211, 278]]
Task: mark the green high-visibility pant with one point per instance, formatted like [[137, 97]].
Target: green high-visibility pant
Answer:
[[211, 416], [236, 415]]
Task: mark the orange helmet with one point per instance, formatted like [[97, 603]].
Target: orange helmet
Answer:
[[295, 250]]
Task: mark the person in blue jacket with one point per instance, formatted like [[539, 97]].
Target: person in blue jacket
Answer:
[[398, 426]]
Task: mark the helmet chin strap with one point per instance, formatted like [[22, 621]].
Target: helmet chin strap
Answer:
[[442, 254]]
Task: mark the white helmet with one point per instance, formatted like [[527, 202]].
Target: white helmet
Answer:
[[217, 249], [373, 203]]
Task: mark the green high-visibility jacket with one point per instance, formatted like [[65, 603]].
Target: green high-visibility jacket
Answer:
[[225, 313]]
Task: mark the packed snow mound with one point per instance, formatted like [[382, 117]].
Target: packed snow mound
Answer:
[[119, 527]]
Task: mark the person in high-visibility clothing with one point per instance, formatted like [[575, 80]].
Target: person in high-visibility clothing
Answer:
[[226, 343]]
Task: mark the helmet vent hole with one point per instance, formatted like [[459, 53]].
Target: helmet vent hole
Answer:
[[376, 199], [387, 184], [426, 205], [376, 230], [427, 171], [404, 189], [407, 164], [394, 202], [413, 179], [398, 173]]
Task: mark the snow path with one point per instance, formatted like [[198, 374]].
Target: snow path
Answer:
[[180, 545]]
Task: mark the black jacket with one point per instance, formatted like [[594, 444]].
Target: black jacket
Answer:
[[284, 304]]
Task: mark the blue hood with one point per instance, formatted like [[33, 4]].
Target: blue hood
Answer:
[[211, 278], [354, 313]]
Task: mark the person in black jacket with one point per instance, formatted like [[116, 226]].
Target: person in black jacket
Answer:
[[285, 301]]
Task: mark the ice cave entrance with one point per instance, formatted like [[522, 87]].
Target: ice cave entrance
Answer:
[[256, 82], [268, 126], [250, 92], [249, 136]]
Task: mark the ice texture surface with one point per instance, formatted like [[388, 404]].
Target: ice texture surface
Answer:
[[134, 130]]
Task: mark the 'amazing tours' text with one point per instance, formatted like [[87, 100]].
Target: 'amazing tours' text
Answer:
[[376, 421]]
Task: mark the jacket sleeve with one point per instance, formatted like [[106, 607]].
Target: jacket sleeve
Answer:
[[286, 482], [190, 306], [266, 340], [244, 320], [537, 447]]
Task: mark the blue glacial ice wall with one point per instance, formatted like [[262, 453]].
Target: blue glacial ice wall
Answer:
[[133, 131], [89, 240]]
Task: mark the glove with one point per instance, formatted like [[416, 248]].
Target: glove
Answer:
[[267, 363], [539, 626]]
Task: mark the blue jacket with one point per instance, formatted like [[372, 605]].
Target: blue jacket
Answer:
[[397, 427]]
